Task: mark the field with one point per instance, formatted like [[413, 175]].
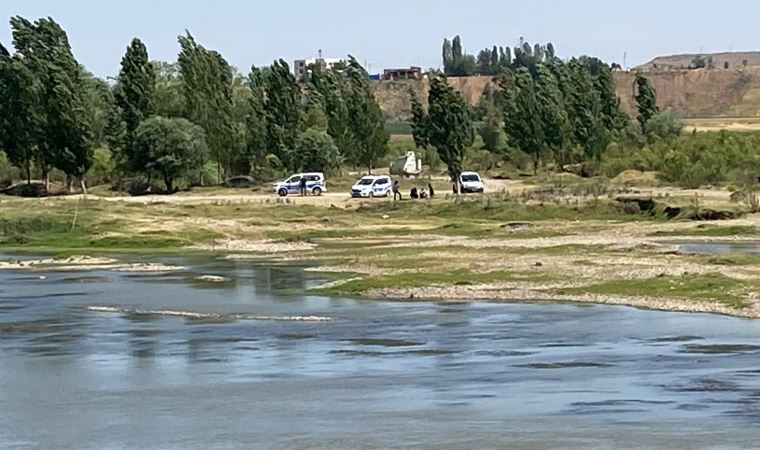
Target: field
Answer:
[[527, 240], [722, 123]]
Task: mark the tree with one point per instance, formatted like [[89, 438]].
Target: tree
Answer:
[[550, 52], [168, 97], [64, 139], [646, 99], [327, 91], [610, 114], [256, 120], [450, 126], [283, 113], [133, 95], [553, 114], [522, 116], [584, 110], [207, 84], [448, 56], [171, 148], [317, 152], [664, 125], [491, 130], [420, 126], [366, 122], [19, 112]]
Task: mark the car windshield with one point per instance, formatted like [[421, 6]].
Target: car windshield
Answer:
[[470, 178], [365, 182]]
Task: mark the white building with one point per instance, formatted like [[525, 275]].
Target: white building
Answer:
[[301, 66]]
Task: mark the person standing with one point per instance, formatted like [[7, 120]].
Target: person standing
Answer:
[[431, 192], [396, 190], [303, 186]]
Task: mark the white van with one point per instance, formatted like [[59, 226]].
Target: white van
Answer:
[[372, 186], [471, 183], [315, 184]]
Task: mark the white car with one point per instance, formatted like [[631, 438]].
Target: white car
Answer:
[[471, 183], [372, 186], [315, 184]]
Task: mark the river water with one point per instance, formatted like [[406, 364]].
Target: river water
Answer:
[[105, 360]]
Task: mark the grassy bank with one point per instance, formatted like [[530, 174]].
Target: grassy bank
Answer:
[[501, 247]]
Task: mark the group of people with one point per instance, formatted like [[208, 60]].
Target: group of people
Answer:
[[414, 194]]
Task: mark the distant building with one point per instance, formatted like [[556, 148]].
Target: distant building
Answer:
[[411, 73], [302, 67]]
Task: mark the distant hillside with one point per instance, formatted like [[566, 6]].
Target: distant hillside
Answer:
[[701, 93], [734, 59]]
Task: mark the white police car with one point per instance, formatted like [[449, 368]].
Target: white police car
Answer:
[[471, 183], [372, 186], [315, 184]]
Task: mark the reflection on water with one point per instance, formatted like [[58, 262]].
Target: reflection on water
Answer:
[[108, 360]]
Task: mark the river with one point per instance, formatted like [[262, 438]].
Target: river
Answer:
[[107, 360]]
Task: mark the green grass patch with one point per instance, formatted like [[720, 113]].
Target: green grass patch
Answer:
[[423, 279], [707, 287], [734, 259]]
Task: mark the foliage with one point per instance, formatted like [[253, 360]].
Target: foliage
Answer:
[[450, 125], [171, 147], [256, 121], [420, 125], [63, 115], [646, 99], [365, 118], [327, 91], [133, 96], [522, 118], [492, 129], [664, 125], [282, 110], [317, 152], [207, 84]]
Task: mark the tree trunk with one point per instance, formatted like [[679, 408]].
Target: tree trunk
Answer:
[[84, 188], [28, 172], [169, 184]]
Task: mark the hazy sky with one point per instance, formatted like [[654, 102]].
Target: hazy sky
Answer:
[[388, 33]]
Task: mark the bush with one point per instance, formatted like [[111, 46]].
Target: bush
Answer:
[[102, 168], [664, 125]]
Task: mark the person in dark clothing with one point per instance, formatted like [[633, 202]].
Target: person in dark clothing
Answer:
[[303, 186], [413, 194], [431, 191], [396, 191]]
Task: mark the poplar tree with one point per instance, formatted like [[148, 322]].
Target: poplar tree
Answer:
[[65, 120], [256, 120], [646, 98], [366, 122], [207, 84], [133, 95], [283, 113], [450, 126], [419, 123]]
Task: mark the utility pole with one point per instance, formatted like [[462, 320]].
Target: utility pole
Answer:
[[625, 60]]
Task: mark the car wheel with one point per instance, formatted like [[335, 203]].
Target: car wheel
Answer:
[[371, 195], [282, 192], [317, 191]]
